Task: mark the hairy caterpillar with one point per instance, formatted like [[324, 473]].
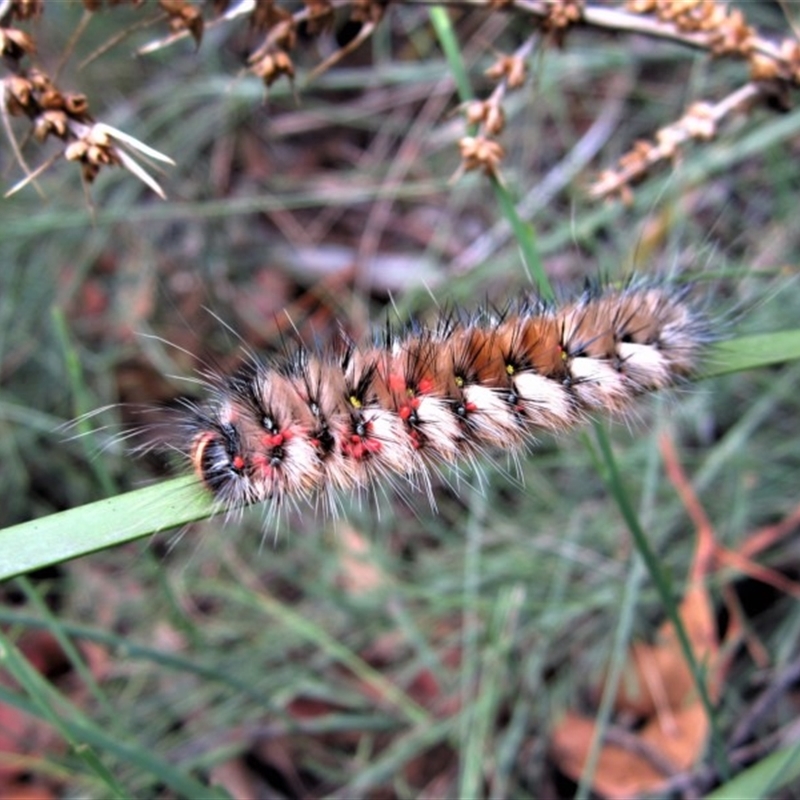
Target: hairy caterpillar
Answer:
[[314, 424]]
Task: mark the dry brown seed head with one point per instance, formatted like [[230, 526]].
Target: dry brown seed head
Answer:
[[495, 119], [89, 171], [77, 106], [26, 9], [57, 121], [51, 99], [271, 66], [50, 122], [512, 68], [283, 63], [699, 121], [486, 112], [562, 14], [641, 6], [498, 69], [675, 9], [184, 15], [97, 154], [266, 15], [285, 36], [18, 92], [98, 137], [320, 16], [763, 68], [693, 15], [606, 183], [636, 159], [40, 81], [367, 11], [480, 152], [93, 150], [15, 43], [732, 35], [714, 18], [172, 6], [75, 151], [668, 140], [790, 54], [475, 111]]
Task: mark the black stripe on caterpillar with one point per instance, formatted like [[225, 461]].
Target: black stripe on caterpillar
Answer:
[[315, 424]]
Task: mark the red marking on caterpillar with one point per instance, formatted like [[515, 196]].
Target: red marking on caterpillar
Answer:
[[423, 397]]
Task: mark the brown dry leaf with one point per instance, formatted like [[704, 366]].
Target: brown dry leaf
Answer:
[[681, 742], [44, 652], [303, 708], [17, 730], [660, 691], [27, 790], [436, 766], [659, 679], [620, 773], [628, 772]]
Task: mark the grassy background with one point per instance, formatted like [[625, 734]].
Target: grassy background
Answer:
[[394, 652]]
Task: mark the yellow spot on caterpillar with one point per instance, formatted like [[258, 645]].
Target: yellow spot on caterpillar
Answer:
[[354, 401]]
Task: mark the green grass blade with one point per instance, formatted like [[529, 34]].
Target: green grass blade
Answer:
[[89, 740], [54, 625], [525, 234], [440, 19], [309, 630], [403, 749], [96, 526], [82, 403], [764, 779], [50, 706], [749, 352], [134, 650], [482, 711]]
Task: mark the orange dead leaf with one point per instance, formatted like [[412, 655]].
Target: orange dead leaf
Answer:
[[659, 679], [769, 535], [620, 773], [683, 744], [662, 692], [710, 552], [660, 687]]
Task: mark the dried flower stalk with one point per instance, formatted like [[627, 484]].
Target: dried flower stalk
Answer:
[[709, 25]]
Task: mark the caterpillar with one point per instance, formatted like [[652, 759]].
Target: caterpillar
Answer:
[[314, 424]]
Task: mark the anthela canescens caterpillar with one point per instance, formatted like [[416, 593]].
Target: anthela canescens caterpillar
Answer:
[[312, 425]]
